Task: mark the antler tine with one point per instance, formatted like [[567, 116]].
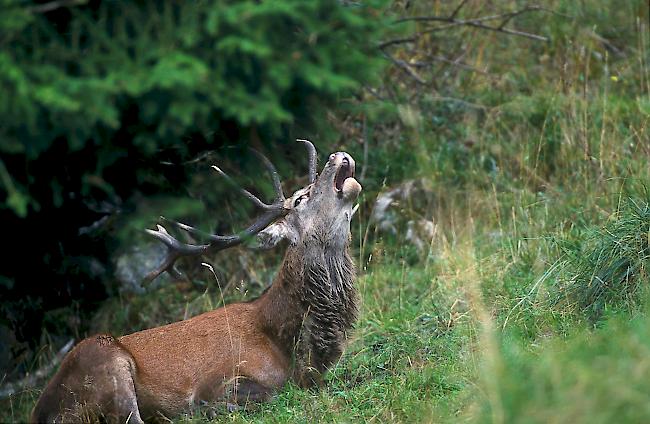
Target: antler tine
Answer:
[[216, 240], [277, 184], [311, 154], [175, 250], [250, 196]]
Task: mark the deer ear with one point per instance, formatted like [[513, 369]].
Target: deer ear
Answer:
[[274, 234]]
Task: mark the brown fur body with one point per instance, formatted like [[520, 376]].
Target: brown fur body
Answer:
[[240, 352]]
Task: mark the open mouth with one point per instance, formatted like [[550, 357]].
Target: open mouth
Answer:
[[345, 171]]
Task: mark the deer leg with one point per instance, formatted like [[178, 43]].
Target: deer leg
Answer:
[[95, 382], [106, 370], [125, 402], [108, 394], [232, 396], [250, 391], [239, 390]]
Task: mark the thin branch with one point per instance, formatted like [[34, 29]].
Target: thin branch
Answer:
[[373, 92], [53, 5], [608, 44], [455, 63], [517, 13], [510, 31], [452, 18], [475, 22], [406, 68], [460, 6], [388, 43], [460, 101]]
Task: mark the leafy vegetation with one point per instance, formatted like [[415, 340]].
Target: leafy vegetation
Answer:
[[529, 302]]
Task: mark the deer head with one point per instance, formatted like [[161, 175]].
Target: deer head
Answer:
[[321, 211]]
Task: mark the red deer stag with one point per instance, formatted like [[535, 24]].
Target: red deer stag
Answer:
[[242, 351]]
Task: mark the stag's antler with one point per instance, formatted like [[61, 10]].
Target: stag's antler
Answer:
[[311, 153], [177, 249]]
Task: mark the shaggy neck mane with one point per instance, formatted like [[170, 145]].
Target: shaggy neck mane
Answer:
[[312, 302]]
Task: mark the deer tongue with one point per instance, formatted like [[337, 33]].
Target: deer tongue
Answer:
[[351, 188]]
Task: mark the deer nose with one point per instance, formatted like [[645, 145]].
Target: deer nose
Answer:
[[347, 161], [341, 157]]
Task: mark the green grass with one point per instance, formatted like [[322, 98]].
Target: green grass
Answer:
[[530, 305], [586, 377]]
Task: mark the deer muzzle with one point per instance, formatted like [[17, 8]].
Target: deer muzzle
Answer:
[[346, 186]]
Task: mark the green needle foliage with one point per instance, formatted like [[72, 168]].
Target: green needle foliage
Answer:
[[147, 75]]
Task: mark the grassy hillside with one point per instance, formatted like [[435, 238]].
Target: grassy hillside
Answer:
[[528, 302]]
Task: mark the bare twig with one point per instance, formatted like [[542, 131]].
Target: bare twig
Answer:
[[474, 22], [478, 24], [389, 43], [452, 18], [460, 6], [456, 63], [53, 5], [406, 68], [460, 101], [608, 44], [517, 13], [373, 92]]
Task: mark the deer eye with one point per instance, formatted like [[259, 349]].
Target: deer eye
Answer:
[[297, 202]]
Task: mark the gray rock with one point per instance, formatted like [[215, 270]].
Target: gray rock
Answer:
[[420, 233], [132, 266], [405, 210]]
